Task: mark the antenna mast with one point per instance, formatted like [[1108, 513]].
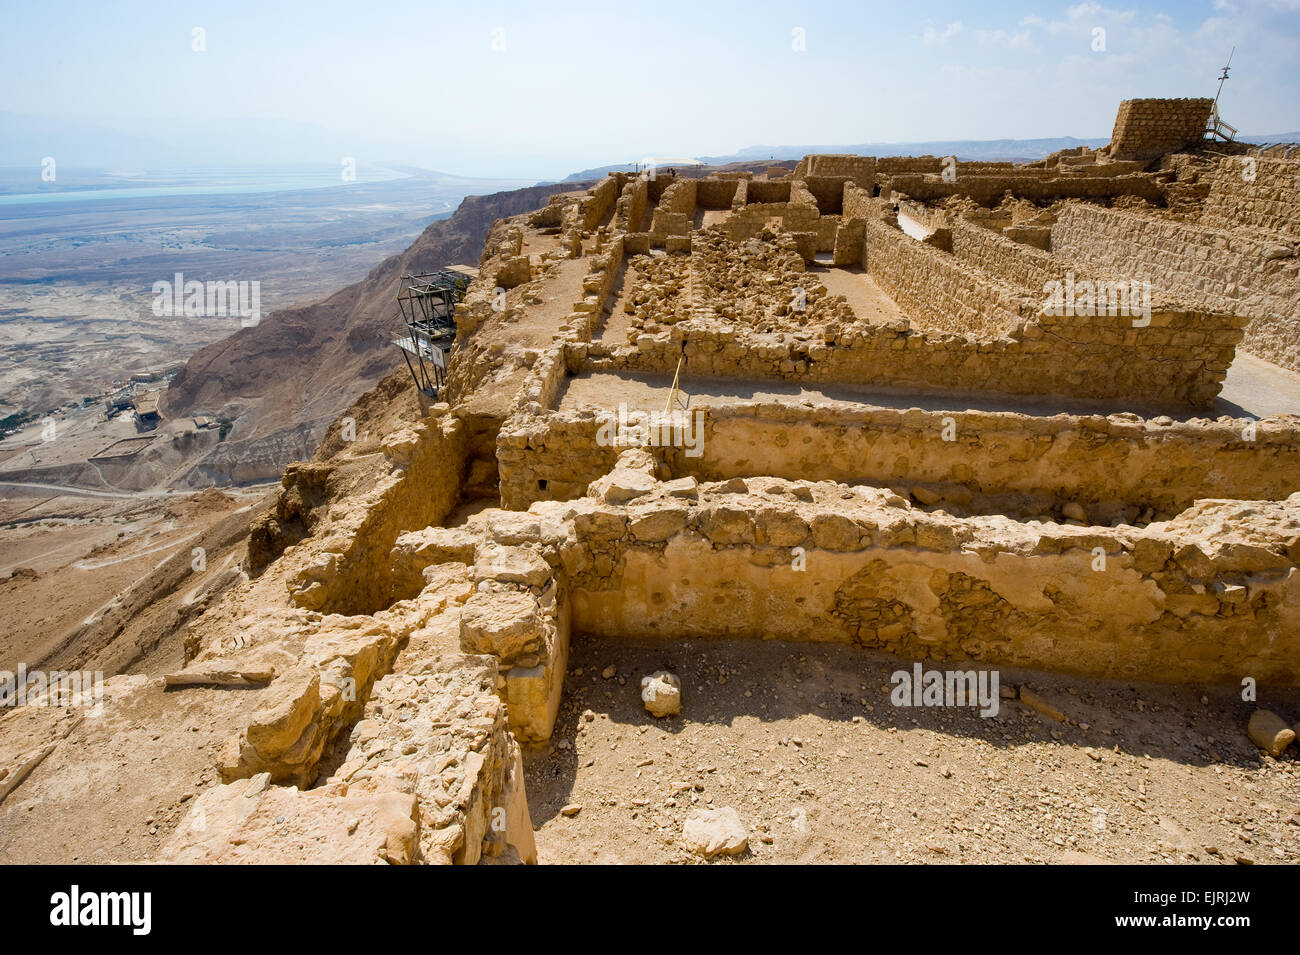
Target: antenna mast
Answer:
[[1223, 76]]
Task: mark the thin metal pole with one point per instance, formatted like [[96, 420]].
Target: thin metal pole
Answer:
[[1223, 76]]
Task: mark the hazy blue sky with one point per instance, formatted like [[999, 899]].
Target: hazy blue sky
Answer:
[[585, 83]]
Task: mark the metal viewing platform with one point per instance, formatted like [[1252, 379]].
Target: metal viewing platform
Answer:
[[428, 304]]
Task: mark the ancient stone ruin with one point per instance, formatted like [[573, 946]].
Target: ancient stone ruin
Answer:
[[955, 411]]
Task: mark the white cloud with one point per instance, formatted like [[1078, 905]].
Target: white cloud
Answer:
[[1018, 40], [931, 37]]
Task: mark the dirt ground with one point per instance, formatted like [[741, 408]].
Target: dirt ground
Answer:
[[65, 558], [803, 741], [869, 302], [117, 788], [1254, 388]]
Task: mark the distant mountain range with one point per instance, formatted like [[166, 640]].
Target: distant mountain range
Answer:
[[970, 150], [25, 140]]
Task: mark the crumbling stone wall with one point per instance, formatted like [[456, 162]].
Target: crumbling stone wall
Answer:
[[736, 325], [1031, 269], [727, 292], [673, 213], [345, 570], [630, 208], [1242, 272], [1028, 362], [1042, 186], [550, 457], [391, 666], [1206, 597], [757, 204], [402, 738], [423, 767], [602, 197], [1148, 128], [1117, 467]]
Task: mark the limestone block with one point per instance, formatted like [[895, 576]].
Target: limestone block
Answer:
[[400, 445], [533, 693], [622, 485], [1270, 732], [782, 526], [661, 692], [249, 821], [711, 832], [520, 565], [657, 523], [726, 524], [504, 624], [512, 527], [686, 487], [415, 550], [285, 735], [835, 532], [594, 522]]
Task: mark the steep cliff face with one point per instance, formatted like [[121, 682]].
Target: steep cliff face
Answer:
[[284, 380]]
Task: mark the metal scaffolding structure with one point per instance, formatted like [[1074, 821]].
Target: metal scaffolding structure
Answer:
[[427, 301]]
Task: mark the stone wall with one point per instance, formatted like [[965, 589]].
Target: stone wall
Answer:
[[1149, 128], [1020, 266], [1253, 193], [1117, 468], [673, 213], [1232, 271], [762, 190], [602, 197], [1030, 270], [346, 569], [1105, 360], [996, 296], [860, 169], [902, 165], [1210, 596], [514, 612], [936, 291], [828, 192], [402, 738], [630, 208], [716, 193], [1036, 185], [754, 217], [858, 203]]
